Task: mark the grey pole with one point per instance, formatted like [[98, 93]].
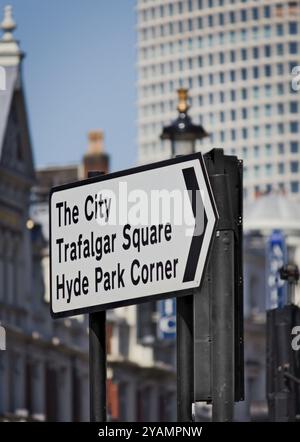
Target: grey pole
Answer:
[[185, 357], [223, 327], [223, 298], [97, 356]]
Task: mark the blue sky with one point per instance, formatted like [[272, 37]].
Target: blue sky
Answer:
[[79, 74]]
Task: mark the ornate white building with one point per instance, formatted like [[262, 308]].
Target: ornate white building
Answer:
[[44, 369]]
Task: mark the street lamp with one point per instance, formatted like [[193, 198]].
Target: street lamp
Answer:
[[183, 135], [182, 132]]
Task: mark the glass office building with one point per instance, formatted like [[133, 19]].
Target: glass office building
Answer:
[[236, 58]]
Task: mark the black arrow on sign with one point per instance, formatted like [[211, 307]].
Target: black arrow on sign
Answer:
[[196, 244]]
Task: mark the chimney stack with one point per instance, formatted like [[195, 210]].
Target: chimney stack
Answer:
[[95, 158]]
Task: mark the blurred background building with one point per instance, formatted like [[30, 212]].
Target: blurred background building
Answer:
[[235, 57]]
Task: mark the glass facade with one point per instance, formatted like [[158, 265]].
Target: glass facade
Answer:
[[236, 59]]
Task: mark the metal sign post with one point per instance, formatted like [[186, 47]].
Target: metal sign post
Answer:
[[97, 357]]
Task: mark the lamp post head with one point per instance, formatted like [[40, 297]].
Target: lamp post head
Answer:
[[182, 132]]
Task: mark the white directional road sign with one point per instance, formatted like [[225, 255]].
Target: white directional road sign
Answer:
[[126, 237]]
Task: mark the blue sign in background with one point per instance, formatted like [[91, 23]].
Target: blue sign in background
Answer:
[[167, 319], [276, 258]]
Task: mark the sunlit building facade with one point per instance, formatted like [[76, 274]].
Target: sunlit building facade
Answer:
[[236, 59]]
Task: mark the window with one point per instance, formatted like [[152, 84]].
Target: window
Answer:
[[279, 49], [244, 74], [232, 95], [244, 94], [221, 19], [255, 52], [232, 36], [268, 109], [280, 148], [279, 29], [293, 47], [256, 151], [210, 21], [190, 24], [280, 109], [200, 81], [295, 186], [244, 35], [180, 7], [221, 75], [243, 15], [294, 127], [293, 28], [255, 92], [244, 113], [211, 79], [222, 97], [268, 168], [294, 166], [222, 116], [221, 57], [199, 22], [210, 59], [256, 171], [244, 54], [279, 68], [267, 11], [294, 107], [233, 115], [255, 33], [244, 133], [256, 131], [232, 17], [281, 168], [190, 5], [256, 112], [255, 72], [268, 149], [267, 51], [200, 61], [200, 100], [233, 135], [232, 56], [255, 13], [171, 9], [245, 152], [267, 31], [211, 98], [268, 70], [268, 188], [280, 89], [232, 75], [180, 26], [222, 135], [280, 128], [268, 130]]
